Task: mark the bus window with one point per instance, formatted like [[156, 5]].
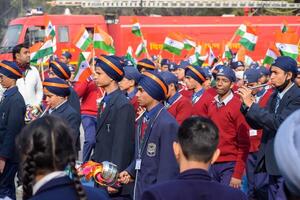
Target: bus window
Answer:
[[34, 34], [11, 38], [63, 34]]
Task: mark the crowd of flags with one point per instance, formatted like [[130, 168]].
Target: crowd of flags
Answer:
[[286, 43]]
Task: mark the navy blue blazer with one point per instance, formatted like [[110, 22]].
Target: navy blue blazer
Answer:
[[12, 114], [193, 184], [73, 100], [63, 188], [115, 134], [266, 119], [72, 119], [158, 161]]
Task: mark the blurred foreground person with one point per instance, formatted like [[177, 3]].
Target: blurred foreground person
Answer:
[[195, 150], [46, 150]]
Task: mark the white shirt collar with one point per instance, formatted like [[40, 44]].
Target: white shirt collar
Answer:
[[46, 179], [281, 94], [51, 110], [226, 100]]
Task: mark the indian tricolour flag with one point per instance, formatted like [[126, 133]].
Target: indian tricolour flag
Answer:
[[136, 29], [287, 44], [227, 53], [49, 28], [195, 59], [174, 44], [83, 71], [39, 50], [241, 30], [211, 57], [103, 41], [83, 40], [141, 48], [189, 43], [129, 56], [271, 55], [249, 39]]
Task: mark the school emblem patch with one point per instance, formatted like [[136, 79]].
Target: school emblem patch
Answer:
[[151, 150]]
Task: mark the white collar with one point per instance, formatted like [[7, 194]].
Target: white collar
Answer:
[[226, 100], [51, 110], [281, 94], [46, 179]]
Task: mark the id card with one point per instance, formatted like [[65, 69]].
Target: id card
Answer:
[[252, 132], [138, 163]]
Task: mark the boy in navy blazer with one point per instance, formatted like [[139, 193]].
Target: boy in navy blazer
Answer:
[[283, 102], [12, 113], [57, 91], [155, 133]]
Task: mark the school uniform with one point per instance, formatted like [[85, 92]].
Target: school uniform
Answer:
[[60, 187], [73, 100], [12, 113], [279, 107], [12, 116], [192, 184], [133, 100], [200, 102], [179, 107], [259, 181], [234, 139], [154, 158], [72, 118]]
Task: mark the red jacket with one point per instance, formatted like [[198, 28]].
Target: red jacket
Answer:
[[234, 141], [181, 109], [255, 135], [200, 108], [89, 93], [182, 89]]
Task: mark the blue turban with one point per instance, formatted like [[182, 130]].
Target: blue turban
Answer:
[[183, 64], [169, 78], [131, 73], [10, 69], [251, 75], [154, 85], [236, 64], [172, 66], [146, 63], [196, 72], [207, 72], [165, 62], [263, 71], [227, 72], [67, 54], [286, 63], [57, 86], [287, 151], [60, 69], [112, 66]]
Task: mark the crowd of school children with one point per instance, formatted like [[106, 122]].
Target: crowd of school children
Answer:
[[174, 130]]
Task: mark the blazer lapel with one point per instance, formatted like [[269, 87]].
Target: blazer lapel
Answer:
[[106, 111], [286, 96]]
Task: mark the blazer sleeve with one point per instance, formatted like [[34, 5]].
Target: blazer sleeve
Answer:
[[15, 123], [272, 121], [149, 195], [123, 140], [168, 167]]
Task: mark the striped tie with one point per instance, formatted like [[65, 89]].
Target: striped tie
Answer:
[[277, 102]]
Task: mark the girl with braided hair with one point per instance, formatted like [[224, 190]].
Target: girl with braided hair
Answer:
[[46, 148]]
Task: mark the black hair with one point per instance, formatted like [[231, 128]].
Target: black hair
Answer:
[[17, 49], [45, 145], [198, 138]]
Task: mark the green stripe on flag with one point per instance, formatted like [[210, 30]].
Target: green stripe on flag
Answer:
[[42, 53], [292, 55], [102, 45], [247, 44], [268, 60], [172, 49], [86, 44]]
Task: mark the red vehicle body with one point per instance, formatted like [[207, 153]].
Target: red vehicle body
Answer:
[[213, 31]]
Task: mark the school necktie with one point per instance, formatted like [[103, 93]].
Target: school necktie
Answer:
[[101, 107], [144, 126], [277, 102]]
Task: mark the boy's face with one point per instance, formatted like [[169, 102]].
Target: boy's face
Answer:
[[52, 100], [6, 82]]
